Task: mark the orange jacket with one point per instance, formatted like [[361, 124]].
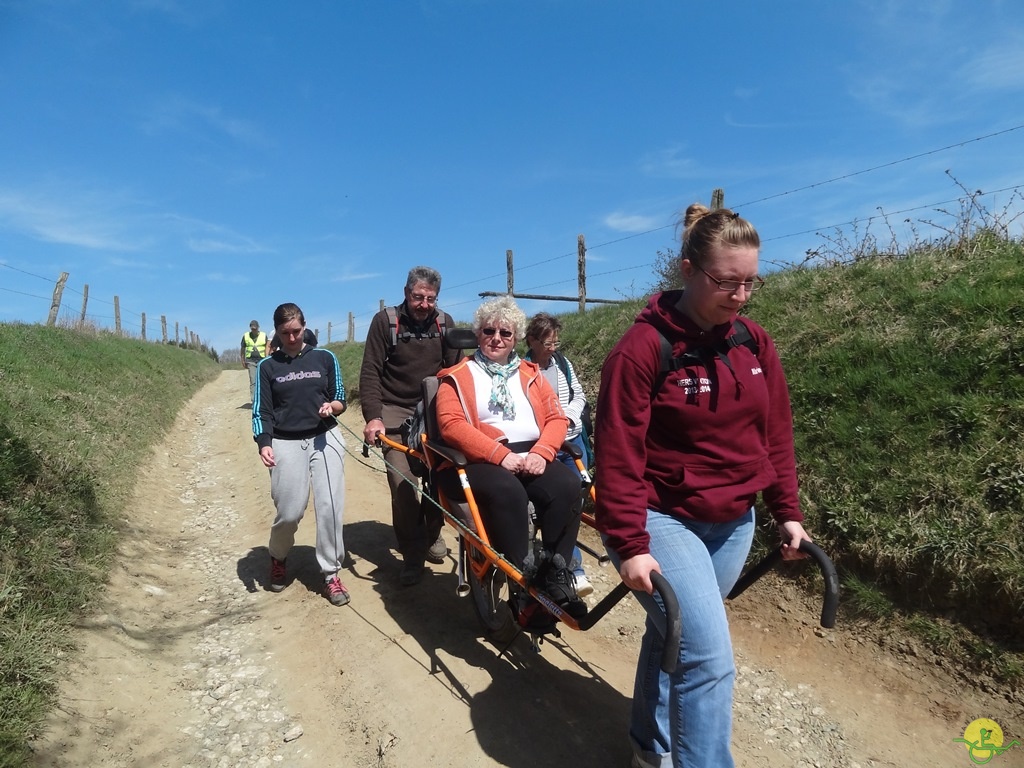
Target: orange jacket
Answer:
[[484, 443]]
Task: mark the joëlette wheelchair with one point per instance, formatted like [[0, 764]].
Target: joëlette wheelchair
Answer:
[[497, 586]]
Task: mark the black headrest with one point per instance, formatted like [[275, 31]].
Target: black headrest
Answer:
[[460, 338]]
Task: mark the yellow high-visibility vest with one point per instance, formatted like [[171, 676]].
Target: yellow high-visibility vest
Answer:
[[260, 343]]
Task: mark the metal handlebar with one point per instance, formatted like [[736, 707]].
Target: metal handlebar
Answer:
[[673, 622], [830, 601], [378, 443]]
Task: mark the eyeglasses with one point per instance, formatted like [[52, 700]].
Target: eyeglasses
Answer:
[[503, 332], [552, 345], [419, 298], [732, 286]]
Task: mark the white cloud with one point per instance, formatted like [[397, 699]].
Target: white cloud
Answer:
[[669, 162], [177, 114], [939, 60], [630, 222], [213, 245], [234, 278], [355, 277], [111, 221], [205, 237], [998, 67], [66, 218]]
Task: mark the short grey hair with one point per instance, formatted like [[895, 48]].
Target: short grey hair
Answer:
[[502, 310], [424, 275]]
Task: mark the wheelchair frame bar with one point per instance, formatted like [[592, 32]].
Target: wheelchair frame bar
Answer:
[[492, 558]]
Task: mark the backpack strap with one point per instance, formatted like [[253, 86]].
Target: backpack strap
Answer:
[[440, 321], [563, 365], [392, 313], [442, 328], [741, 337]]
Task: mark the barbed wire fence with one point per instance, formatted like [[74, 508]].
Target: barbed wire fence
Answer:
[[63, 314], [829, 233], [968, 208], [127, 323]]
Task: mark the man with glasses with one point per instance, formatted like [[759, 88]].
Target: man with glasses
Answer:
[[404, 345]]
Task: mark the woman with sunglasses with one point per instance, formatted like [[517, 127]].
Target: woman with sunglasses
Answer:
[[500, 412], [682, 454]]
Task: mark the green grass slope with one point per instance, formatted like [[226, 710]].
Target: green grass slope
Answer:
[[907, 378], [78, 413], [907, 383]]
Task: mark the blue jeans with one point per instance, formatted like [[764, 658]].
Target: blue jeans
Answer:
[[686, 719], [567, 459], [576, 564]]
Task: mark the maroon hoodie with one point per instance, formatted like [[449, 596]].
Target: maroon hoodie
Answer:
[[704, 444]]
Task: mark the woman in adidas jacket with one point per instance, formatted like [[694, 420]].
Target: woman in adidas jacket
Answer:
[[299, 392], [681, 457]]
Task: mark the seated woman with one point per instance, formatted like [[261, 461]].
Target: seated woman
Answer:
[[503, 415]]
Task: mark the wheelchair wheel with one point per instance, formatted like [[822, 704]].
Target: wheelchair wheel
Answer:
[[490, 599]]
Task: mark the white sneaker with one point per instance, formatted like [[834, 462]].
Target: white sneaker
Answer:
[[437, 551], [583, 585]]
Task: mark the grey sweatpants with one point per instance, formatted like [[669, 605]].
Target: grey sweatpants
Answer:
[[251, 366], [318, 461]]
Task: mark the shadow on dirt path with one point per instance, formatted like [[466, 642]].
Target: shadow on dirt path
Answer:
[[187, 659]]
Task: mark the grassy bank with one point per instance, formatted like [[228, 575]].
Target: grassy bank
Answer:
[[907, 381], [78, 413], [350, 358]]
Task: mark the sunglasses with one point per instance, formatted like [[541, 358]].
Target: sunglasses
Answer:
[[503, 332]]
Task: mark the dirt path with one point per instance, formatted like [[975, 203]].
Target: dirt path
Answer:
[[188, 661]]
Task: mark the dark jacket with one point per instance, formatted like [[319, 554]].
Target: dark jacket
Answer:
[[392, 375], [700, 443], [289, 393]]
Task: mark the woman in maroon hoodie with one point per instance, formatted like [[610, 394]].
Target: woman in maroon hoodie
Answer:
[[683, 449]]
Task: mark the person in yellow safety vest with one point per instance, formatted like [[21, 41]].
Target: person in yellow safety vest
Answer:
[[255, 346]]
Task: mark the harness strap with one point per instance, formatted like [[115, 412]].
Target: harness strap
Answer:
[[523, 446], [440, 324]]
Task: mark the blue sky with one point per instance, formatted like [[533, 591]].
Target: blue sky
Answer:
[[207, 160]]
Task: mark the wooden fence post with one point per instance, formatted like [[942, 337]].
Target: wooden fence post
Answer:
[[509, 271], [186, 337], [58, 291], [381, 307], [163, 328], [177, 337], [581, 268], [351, 327], [717, 199], [85, 303], [117, 315], [328, 331], [143, 326]]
